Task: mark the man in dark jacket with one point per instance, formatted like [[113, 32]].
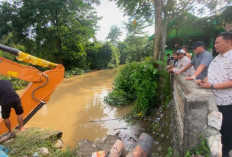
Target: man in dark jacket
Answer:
[[10, 99]]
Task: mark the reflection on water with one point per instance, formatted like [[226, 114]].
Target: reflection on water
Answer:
[[77, 109]]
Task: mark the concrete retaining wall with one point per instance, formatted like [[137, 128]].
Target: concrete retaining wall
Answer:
[[195, 113]]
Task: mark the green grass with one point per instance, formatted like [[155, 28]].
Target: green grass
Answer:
[[31, 140]]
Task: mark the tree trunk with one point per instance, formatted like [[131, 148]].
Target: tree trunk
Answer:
[[158, 28], [163, 38]]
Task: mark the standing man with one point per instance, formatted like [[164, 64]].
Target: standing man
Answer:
[[200, 62], [220, 82], [182, 62], [185, 48], [10, 99]]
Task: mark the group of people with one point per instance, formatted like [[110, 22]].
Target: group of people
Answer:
[[214, 74]]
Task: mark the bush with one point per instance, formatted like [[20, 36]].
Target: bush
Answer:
[[139, 83], [73, 71]]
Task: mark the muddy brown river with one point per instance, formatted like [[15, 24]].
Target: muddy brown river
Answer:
[[77, 109]]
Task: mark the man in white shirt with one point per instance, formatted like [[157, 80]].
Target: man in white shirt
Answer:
[[220, 81], [182, 62]]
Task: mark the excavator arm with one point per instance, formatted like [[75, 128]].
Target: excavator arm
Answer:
[[40, 88]]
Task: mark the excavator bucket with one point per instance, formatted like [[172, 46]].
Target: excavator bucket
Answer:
[[40, 88]]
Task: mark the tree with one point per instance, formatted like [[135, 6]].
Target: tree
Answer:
[[162, 11], [102, 56], [114, 34], [135, 27], [57, 30]]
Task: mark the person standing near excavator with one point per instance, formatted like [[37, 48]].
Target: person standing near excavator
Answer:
[[10, 99]]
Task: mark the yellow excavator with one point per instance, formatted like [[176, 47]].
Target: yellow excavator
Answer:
[[41, 86]]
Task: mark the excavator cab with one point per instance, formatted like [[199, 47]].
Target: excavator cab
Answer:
[[40, 88]]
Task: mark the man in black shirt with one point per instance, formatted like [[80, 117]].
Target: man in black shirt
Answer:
[[10, 99]]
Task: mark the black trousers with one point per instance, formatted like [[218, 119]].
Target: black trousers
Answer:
[[226, 129]]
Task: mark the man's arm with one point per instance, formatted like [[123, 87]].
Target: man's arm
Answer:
[[200, 68], [224, 85], [184, 69]]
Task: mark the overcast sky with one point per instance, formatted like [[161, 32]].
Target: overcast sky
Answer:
[[111, 15]]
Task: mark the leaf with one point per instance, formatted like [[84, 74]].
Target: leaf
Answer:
[[155, 71], [159, 62]]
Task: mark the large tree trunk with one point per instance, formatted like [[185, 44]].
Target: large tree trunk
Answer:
[[163, 37], [158, 28]]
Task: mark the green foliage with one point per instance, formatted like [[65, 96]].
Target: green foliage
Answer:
[[139, 83], [114, 34], [134, 48], [124, 91], [201, 149], [117, 97], [226, 14], [16, 83], [73, 71], [102, 56], [170, 152], [55, 30], [32, 139]]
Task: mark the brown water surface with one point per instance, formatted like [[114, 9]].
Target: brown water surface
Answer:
[[77, 109]]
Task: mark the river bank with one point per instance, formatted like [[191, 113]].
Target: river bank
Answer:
[[34, 142], [47, 142]]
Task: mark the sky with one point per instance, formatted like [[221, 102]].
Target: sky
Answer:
[[111, 15]]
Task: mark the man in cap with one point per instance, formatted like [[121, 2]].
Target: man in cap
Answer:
[[220, 82], [185, 48], [200, 62], [182, 62]]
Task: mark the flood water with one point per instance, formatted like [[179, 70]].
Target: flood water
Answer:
[[77, 109]]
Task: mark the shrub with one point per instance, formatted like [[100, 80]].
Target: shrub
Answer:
[[73, 71], [139, 83]]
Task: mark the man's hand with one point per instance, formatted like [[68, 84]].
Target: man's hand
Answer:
[[170, 70], [205, 79], [199, 81], [190, 78], [204, 84], [169, 66], [178, 72]]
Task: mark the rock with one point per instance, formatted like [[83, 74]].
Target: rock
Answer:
[[215, 146], [215, 120], [44, 151], [58, 144], [9, 141], [159, 149], [36, 154], [86, 148], [162, 135], [156, 143], [107, 143], [157, 120]]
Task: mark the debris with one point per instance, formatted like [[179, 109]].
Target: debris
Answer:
[[44, 151], [99, 154], [58, 144], [117, 149], [143, 148], [103, 120], [36, 154]]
